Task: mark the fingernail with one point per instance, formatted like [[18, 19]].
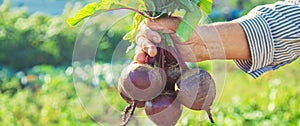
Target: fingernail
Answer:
[[150, 52]]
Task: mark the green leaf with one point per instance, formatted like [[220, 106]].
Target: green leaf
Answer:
[[91, 8], [130, 36], [150, 5], [135, 4], [87, 11], [104, 5], [137, 21], [115, 4], [186, 4], [188, 24], [192, 17], [205, 6]]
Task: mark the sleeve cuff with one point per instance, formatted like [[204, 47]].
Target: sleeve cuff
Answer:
[[261, 45]]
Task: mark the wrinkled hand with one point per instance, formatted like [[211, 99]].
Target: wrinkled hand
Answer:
[[148, 37]]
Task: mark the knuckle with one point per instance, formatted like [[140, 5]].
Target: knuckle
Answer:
[[138, 49], [145, 31], [139, 39], [142, 26], [153, 36]]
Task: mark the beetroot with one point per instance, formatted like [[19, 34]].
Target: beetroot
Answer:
[[141, 82], [172, 69], [140, 104], [164, 110], [173, 72], [197, 90]]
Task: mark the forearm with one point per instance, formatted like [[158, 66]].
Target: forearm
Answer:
[[223, 41]]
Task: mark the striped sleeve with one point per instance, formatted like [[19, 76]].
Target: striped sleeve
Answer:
[[273, 33]]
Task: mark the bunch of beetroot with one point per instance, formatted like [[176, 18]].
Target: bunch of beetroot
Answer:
[[163, 85], [152, 85]]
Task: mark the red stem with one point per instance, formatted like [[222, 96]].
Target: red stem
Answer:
[[131, 113], [159, 57], [179, 56], [132, 9], [162, 59], [150, 60]]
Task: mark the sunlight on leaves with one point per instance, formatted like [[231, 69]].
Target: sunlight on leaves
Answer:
[[130, 36], [87, 11], [205, 6]]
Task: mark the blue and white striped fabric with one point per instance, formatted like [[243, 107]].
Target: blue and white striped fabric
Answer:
[[273, 33]]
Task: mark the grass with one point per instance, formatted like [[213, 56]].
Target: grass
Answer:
[[271, 99]]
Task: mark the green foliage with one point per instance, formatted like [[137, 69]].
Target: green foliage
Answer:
[[130, 36], [189, 21], [205, 6], [269, 100], [156, 9], [188, 24], [87, 11], [103, 5], [28, 40], [51, 101], [249, 5], [49, 98], [34, 39]]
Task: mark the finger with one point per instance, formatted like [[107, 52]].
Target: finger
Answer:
[[138, 49], [152, 35], [146, 45], [140, 57], [142, 25], [167, 25], [152, 51], [148, 33]]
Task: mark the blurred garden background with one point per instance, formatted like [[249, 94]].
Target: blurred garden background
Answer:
[[36, 82]]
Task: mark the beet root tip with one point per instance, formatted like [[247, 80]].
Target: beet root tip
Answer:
[[210, 116]]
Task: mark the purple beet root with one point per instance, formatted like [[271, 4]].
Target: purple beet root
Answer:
[[172, 68], [173, 72], [164, 110], [140, 104], [197, 90], [141, 82]]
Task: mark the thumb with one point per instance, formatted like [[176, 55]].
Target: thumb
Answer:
[[165, 24]]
